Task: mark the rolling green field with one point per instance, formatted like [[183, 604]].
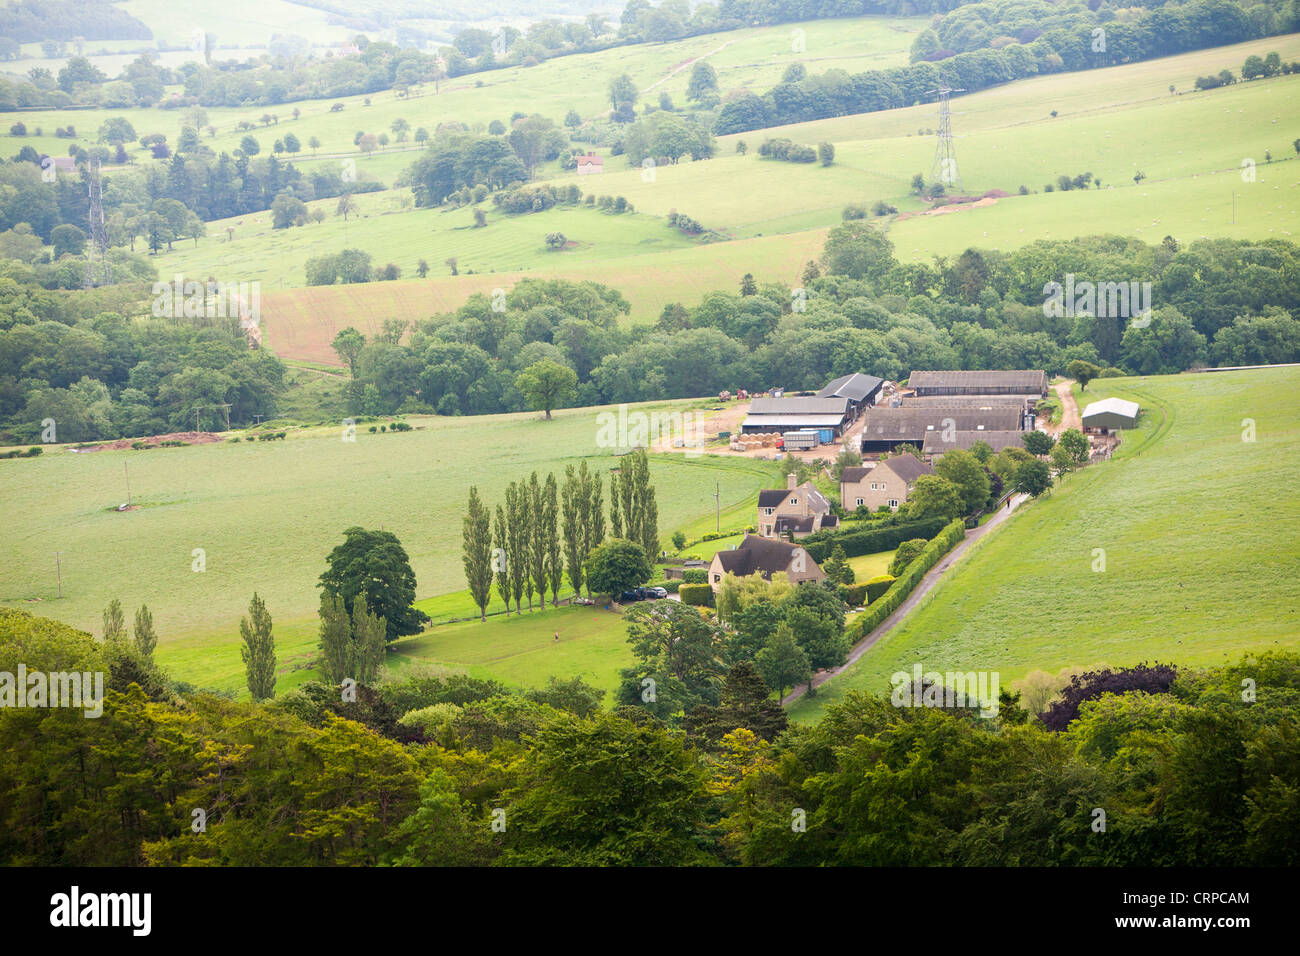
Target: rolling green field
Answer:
[[1123, 120], [1201, 563], [266, 514]]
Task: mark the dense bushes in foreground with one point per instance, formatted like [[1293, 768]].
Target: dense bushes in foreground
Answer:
[[439, 770]]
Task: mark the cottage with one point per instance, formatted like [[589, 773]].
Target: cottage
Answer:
[[887, 482], [764, 557], [591, 163], [796, 510]]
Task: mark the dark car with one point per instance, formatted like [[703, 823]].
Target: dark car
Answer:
[[627, 597]]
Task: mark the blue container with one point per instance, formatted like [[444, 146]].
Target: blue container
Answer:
[[826, 435]]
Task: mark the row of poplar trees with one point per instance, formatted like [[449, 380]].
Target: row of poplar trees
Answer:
[[544, 532]]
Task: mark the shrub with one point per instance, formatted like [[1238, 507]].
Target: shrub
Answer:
[[905, 554], [854, 595], [695, 576], [399, 427], [697, 595], [670, 586], [877, 586]]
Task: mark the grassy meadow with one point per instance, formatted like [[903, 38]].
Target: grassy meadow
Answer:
[[1200, 563], [266, 514]]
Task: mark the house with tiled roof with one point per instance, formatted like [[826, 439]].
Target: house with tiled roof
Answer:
[[793, 511], [887, 482], [764, 557]]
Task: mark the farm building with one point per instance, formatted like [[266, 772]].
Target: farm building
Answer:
[[796, 510], [885, 483], [1109, 414], [765, 557], [1020, 382], [861, 390], [787, 414], [935, 443], [591, 163], [887, 428]]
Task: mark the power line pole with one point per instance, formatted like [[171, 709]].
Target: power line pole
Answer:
[[226, 408], [945, 153], [58, 567], [717, 506], [127, 472]]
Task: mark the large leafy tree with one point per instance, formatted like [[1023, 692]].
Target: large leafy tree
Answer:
[[547, 385], [615, 566], [607, 791], [374, 562], [966, 473]]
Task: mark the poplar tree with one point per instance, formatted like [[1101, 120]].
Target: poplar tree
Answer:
[[478, 552], [596, 529], [550, 519], [500, 563], [368, 632], [626, 494], [335, 638], [615, 517], [516, 556], [146, 638], [258, 652], [537, 544], [114, 622], [573, 503]]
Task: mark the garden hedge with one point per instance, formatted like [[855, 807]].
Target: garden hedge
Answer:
[[699, 595], [695, 576], [878, 610], [869, 540], [878, 586]]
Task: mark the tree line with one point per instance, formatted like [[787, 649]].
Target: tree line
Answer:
[[544, 531], [1188, 769]]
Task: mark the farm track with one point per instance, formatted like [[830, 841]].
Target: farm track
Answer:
[[910, 604]]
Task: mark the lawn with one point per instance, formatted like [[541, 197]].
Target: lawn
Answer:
[[867, 566], [1198, 565], [266, 514], [522, 650]]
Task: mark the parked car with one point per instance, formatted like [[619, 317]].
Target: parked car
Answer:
[[656, 592], [627, 597]]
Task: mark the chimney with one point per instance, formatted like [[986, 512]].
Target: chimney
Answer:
[[791, 481]]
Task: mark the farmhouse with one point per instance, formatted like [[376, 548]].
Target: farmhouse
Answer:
[[795, 510], [832, 414], [1025, 382], [764, 557], [1109, 414], [938, 442], [591, 163], [887, 482], [861, 390], [887, 428]]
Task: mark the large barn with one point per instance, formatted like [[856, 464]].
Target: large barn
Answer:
[[861, 390], [938, 442], [786, 414], [1027, 382], [887, 428]]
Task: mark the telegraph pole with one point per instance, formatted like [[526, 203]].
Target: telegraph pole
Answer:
[[717, 506], [127, 472], [58, 567]]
